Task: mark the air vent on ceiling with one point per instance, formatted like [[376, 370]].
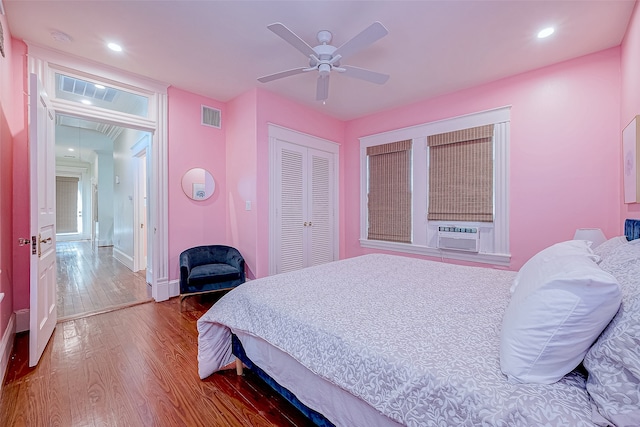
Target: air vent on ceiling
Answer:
[[210, 116]]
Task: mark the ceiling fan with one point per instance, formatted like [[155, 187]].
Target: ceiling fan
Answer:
[[326, 58]]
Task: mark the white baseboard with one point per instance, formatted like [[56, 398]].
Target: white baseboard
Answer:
[[123, 258], [22, 320], [6, 345], [174, 288], [161, 290]]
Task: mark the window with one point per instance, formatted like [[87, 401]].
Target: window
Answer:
[[75, 89], [457, 177]]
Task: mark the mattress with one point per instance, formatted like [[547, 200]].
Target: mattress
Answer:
[[417, 341]]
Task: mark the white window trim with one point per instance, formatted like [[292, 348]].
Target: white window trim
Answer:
[[499, 228]]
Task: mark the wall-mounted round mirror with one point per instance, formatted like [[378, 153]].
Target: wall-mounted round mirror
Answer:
[[198, 184]]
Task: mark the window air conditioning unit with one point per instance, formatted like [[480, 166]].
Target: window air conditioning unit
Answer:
[[459, 238]]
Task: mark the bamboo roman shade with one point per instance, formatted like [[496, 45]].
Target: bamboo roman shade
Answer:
[[389, 197], [461, 175]]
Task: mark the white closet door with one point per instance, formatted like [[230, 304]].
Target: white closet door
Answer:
[[303, 208], [290, 195], [320, 230]]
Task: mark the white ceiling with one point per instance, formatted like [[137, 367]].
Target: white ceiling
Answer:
[[219, 48]]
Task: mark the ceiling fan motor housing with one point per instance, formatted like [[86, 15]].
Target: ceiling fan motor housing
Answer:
[[324, 36], [324, 55]]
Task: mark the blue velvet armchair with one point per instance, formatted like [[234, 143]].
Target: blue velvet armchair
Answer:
[[210, 268]]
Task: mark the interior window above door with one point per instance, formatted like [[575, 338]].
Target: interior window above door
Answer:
[[91, 93]]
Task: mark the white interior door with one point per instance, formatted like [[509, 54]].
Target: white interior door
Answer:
[[43, 220]]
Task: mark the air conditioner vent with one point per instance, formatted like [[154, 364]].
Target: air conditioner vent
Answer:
[[459, 238], [211, 117]]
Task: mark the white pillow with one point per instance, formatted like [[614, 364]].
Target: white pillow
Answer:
[[556, 312], [570, 247]]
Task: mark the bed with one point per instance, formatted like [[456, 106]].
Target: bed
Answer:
[[383, 340]]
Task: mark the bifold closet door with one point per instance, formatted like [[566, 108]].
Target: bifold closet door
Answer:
[[305, 199]]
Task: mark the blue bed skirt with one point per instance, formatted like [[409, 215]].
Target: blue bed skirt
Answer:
[[316, 418]]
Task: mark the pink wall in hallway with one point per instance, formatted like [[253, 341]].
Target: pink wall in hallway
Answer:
[[630, 93], [565, 167], [192, 145]]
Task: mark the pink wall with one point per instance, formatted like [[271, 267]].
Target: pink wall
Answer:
[[565, 162], [6, 182], [240, 125], [248, 165], [20, 196], [283, 112], [630, 92], [192, 145]]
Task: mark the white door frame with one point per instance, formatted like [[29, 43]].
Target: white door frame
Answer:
[[141, 158], [46, 63]]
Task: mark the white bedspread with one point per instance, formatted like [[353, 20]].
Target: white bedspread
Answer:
[[417, 340]]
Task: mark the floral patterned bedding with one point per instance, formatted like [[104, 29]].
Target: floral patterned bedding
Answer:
[[418, 340]]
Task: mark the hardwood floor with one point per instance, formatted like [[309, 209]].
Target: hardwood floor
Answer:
[[91, 280], [134, 367]]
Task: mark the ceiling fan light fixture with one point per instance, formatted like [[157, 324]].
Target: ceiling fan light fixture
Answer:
[[324, 69]]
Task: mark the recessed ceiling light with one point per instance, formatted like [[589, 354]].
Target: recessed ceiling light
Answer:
[[85, 102], [71, 149], [115, 47], [546, 32], [99, 86]]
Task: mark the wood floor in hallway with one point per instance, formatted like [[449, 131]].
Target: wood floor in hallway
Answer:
[[91, 280]]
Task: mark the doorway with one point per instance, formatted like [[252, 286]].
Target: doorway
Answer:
[[101, 178], [90, 91]]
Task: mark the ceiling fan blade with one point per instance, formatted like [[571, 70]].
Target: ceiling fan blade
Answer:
[[369, 35], [291, 38], [322, 90], [282, 74], [363, 74]]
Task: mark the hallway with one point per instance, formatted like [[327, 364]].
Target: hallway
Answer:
[[90, 280]]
